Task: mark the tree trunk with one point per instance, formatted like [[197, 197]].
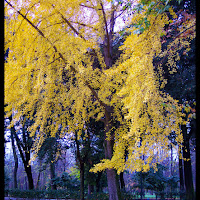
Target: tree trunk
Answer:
[[53, 175], [171, 171], [28, 168], [82, 180], [187, 165], [38, 179], [141, 186], [24, 150], [112, 179], [90, 189], [29, 176], [98, 187], [181, 177], [122, 184], [15, 158], [81, 168], [113, 185]]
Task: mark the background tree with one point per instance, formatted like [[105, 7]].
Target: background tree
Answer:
[[24, 143], [12, 130], [49, 153], [184, 78]]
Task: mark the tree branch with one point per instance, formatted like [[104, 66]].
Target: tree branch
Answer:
[[106, 26], [54, 47]]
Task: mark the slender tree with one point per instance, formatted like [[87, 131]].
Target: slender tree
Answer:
[[15, 157], [24, 144]]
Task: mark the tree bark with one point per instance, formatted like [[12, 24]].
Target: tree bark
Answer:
[[38, 180], [25, 160], [53, 175], [141, 186], [15, 157], [39, 175], [122, 183], [29, 176], [90, 189], [181, 177], [24, 150], [112, 179], [187, 165], [98, 186], [82, 180], [81, 168]]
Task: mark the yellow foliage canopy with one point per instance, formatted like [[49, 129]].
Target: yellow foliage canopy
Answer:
[[50, 77]]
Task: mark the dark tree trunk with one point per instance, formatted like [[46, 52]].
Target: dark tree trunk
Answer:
[[29, 176], [181, 177], [24, 148], [53, 175], [38, 179], [122, 183], [25, 160], [81, 168], [187, 165], [90, 189], [98, 186], [141, 186], [15, 157], [82, 180]]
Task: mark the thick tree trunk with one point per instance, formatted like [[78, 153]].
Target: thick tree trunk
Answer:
[[112, 179], [187, 166], [28, 169], [113, 185], [15, 158], [29, 176]]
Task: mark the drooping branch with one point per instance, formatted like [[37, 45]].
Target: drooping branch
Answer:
[[55, 48], [70, 25]]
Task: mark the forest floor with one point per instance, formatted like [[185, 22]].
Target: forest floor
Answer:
[[14, 198]]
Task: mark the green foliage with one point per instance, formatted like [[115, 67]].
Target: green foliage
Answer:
[[66, 181], [157, 181], [75, 172]]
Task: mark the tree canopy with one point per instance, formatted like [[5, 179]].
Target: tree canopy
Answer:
[[60, 72]]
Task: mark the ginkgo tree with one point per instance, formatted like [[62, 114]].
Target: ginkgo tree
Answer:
[[61, 72]]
